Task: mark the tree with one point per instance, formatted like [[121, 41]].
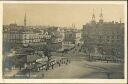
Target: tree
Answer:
[[65, 51], [47, 53], [89, 51]]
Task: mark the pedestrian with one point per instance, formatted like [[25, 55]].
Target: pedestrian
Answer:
[[60, 60], [64, 61], [52, 66], [59, 64], [67, 60]]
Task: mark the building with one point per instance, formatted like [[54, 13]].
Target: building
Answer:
[[22, 39], [57, 36], [70, 35], [12, 36], [78, 37], [103, 38]]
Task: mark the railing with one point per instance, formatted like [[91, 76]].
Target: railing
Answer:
[[105, 58], [38, 66]]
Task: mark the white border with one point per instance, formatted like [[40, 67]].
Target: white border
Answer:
[[67, 2], [1, 27], [65, 80]]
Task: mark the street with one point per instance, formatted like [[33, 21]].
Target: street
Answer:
[[84, 69]]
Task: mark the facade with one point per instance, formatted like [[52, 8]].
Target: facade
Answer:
[[57, 36], [103, 38], [78, 37], [17, 36], [70, 36], [12, 36]]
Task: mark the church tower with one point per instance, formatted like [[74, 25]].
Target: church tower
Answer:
[[25, 20], [101, 17], [93, 16]]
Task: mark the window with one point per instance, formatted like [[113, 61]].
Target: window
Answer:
[[107, 36]]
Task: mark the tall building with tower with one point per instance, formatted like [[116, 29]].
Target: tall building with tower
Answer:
[[93, 16], [25, 20], [101, 17], [103, 38]]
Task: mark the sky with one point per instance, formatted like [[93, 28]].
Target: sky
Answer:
[[60, 14]]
